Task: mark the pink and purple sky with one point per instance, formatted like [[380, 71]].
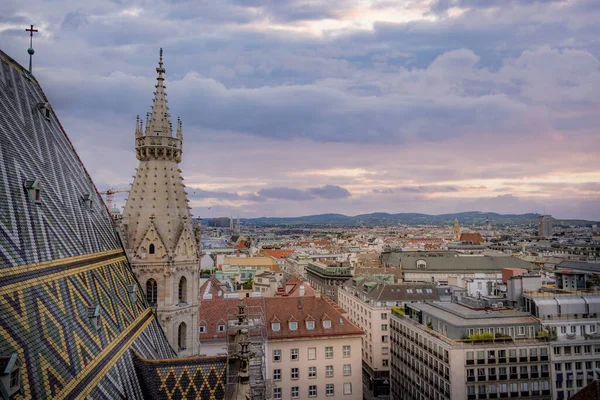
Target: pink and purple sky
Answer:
[[353, 106]]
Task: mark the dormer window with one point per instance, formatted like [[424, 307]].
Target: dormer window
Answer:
[[293, 325], [310, 325], [34, 188], [327, 323], [10, 374], [275, 326], [132, 290], [86, 199], [94, 316]]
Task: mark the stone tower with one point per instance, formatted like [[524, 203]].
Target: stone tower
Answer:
[[157, 228], [456, 229]]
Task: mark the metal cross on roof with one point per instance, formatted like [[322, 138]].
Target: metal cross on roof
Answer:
[[30, 49]]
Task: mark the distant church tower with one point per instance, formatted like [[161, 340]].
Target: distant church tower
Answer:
[[456, 230], [157, 227]]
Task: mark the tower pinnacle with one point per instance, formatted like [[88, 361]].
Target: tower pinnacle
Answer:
[[159, 124]]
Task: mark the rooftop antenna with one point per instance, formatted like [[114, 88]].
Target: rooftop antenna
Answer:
[[30, 49]]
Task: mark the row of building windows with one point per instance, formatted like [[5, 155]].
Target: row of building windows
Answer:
[[293, 325], [522, 387], [492, 355], [312, 353], [312, 391], [579, 365], [312, 372], [524, 370], [575, 350]]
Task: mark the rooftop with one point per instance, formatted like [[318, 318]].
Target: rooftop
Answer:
[[458, 315]]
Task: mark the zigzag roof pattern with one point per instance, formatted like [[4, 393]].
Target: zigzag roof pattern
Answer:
[[70, 306]]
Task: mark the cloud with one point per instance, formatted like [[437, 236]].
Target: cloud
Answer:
[[325, 192], [442, 102]]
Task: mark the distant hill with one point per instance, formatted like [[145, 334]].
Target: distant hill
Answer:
[[383, 219]]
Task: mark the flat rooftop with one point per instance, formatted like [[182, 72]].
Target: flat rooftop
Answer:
[[459, 315]]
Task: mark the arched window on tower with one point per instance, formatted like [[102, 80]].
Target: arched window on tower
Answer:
[[151, 291], [151, 248], [181, 336], [183, 290]]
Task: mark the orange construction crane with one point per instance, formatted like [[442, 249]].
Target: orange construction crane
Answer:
[[110, 194]]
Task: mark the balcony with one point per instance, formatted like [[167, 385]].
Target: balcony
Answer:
[[524, 394], [534, 375], [514, 376], [512, 359], [502, 377], [493, 395], [524, 376], [522, 359], [502, 360], [492, 377]]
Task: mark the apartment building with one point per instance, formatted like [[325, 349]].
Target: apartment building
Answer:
[[368, 301], [312, 351], [572, 323], [440, 266], [327, 278], [448, 351]]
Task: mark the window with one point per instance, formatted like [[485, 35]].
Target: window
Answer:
[[202, 328], [275, 326], [557, 351], [577, 349], [293, 326], [181, 336], [384, 327], [384, 338], [151, 291], [329, 371], [385, 351], [347, 388], [329, 352], [326, 323], [346, 351], [384, 316], [276, 374], [312, 391], [312, 353], [347, 369], [312, 372], [408, 290], [329, 389], [277, 393], [183, 290], [294, 373], [221, 328], [521, 331], [310, 325], [151, 248], [276, 355], [294, 354], [295, 392], [15, 379], [385, 362]]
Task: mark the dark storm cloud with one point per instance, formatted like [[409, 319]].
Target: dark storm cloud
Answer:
[[330, 192], [325, 192]]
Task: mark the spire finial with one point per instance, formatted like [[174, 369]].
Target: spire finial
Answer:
[[30, 49]]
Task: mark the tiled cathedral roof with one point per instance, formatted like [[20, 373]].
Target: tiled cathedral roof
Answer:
[[70, 306]]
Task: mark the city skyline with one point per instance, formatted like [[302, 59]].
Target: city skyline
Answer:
[[306, 108]]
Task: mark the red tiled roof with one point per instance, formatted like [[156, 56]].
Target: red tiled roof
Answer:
[[589, 392], [474, 238], [303, 308], [279, 253]]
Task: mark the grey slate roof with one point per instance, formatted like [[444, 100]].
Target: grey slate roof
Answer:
[[452, 262], [583, 266], [382, 292]]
